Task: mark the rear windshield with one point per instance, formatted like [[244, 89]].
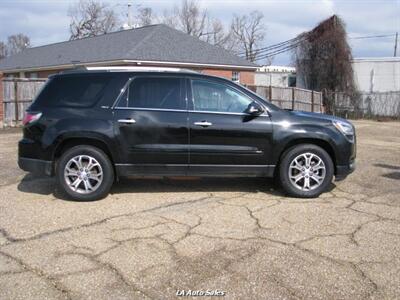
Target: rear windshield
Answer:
[[72, 91]]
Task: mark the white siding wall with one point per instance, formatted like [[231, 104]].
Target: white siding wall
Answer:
[[278, 79], [377, 75]]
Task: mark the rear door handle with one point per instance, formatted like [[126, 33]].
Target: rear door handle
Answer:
[[203, 123], [127, 121]]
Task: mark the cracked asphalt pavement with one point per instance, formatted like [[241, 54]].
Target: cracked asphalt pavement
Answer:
[[149, 238]]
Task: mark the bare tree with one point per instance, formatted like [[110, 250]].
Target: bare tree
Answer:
[[218, 36], [268, 61], [3, 50], [16, 43], [190, 18], [91, 18], [248, 31], [145, 16], [169, 18]]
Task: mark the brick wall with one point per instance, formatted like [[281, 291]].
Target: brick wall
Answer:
[[221, 73], [44, 74], [246, 77], [1, 100], [40, 74]]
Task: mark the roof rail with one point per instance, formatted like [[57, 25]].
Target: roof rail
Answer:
[[140, 69], [74, 70]]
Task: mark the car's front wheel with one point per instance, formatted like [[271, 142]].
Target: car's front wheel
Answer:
[[85, 173], [306, 171]]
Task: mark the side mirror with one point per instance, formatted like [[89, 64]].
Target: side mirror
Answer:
[[254, 109]]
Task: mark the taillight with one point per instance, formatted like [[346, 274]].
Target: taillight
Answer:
[[31, 117]]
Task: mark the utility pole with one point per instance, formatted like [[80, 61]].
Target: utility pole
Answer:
[[129, 16], [395, 45]]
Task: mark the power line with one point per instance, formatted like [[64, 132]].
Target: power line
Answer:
[[273, 49], [265, 52], [277, 50], [273, 46], [371, 36], [273, 53]]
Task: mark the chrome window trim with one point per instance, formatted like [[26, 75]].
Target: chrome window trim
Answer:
[[114, 106], [121, 92], [188, 111], [150, 109], [226, 113], [128, 83]]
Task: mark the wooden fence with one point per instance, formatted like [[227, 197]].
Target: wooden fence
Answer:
[[291, 97], [365, 105], [18, 95]]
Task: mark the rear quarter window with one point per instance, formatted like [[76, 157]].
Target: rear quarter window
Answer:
[[72, 91]]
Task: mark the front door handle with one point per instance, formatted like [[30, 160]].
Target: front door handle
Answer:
[[203, 123], [127, 121]]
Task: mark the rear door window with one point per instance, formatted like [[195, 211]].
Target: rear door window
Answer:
[[154, 93], [73, 91]]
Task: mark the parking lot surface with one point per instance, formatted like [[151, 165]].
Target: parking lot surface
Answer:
[[150, 238]]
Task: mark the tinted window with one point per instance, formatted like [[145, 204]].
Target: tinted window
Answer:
[[73, 91], [152, 92], [211, 96]]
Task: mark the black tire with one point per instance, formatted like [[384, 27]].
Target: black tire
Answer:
[[289, 155], [106, 167]]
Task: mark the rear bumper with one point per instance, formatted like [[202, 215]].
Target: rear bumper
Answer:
[[37, 166], [343, 170]]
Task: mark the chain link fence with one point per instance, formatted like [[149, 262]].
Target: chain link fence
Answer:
[[375, 105]]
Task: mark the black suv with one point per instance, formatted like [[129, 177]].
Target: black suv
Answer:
[[91, 126]]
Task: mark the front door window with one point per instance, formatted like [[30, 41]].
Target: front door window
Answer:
[[215, 97]]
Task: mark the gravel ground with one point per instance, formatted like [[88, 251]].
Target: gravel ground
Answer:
[[150, 238]]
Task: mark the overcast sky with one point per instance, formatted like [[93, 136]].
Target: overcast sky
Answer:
[[46, 21]]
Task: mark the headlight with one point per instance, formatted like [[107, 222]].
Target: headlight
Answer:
[[345, 128]]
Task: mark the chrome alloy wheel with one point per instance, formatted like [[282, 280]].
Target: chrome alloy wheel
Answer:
[[307, 171], [83, 174]]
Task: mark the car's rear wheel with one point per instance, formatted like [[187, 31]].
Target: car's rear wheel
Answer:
[[306, 171], [85, 173]]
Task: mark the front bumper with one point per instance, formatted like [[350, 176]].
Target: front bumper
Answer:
[[37, 166], [343, 170]]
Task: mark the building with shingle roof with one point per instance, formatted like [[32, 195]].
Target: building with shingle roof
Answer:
[[153, 45]]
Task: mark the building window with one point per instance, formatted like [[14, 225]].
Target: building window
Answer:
[[33, 75], [235, 76], [292, 81]]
